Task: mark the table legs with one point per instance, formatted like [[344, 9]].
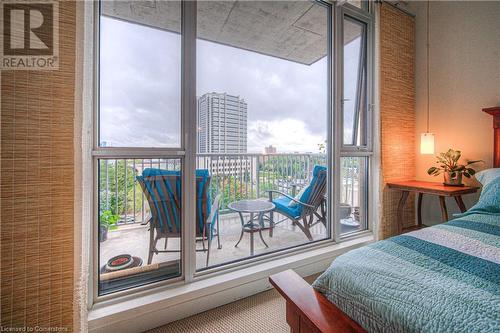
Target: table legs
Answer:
[[419, 210], [444, 211], [460, 203], [401, 206], [261, 224], [271, 223], [442, 204], [251, 230], [251, 235], [242, 229]]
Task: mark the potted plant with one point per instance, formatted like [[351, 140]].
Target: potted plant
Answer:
[[451, 169], [107, 221]]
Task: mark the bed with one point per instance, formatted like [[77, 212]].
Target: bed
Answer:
[[440, 279], [444, 278]]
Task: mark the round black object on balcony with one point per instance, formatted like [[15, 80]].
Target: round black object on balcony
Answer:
[[120, 262]]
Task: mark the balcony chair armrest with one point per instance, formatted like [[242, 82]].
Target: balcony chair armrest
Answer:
[[213, 210], [289, 197]]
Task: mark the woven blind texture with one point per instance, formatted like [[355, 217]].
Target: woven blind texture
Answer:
[[37, 190], [397, 112]]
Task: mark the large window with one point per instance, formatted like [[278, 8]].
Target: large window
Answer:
[[263, 81], [215, 134], [138, 171]]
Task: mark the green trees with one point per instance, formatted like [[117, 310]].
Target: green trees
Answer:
[[121, 195], [116, 187], [232, 188], [266, 172]]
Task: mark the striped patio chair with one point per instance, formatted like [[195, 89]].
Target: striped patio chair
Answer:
[[162, 189], [302, 208]]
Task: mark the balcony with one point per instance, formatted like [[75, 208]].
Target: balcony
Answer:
[[235, 177]]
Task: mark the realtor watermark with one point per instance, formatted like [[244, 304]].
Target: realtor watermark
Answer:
[[29, 35]]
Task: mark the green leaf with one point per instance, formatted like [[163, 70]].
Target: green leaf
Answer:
[[432, 170], [475, 161], [471, 171], [108, 219]]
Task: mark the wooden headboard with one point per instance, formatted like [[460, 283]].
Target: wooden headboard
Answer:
[[495, 112]]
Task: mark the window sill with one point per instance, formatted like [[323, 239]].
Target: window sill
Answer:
[[160, 305]]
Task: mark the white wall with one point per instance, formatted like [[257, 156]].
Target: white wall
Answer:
[[465, 77]]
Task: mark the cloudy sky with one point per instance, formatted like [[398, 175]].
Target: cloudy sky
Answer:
[[140, 90]]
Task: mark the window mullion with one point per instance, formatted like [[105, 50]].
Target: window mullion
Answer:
[[188, 137], [338, 122]]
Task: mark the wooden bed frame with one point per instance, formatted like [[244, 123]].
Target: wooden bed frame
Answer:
[[495, 112], [308, 311]]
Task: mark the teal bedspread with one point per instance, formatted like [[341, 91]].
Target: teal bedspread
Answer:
[[444, 278]]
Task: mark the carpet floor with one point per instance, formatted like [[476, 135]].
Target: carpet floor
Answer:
[[262, 313]]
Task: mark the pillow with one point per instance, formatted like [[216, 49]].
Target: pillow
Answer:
[[298, 197], [489, 201], [488, 175]]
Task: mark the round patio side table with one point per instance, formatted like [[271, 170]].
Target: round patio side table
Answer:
[[256, 209]]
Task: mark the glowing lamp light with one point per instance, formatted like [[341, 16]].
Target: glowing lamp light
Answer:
[[427, 143]]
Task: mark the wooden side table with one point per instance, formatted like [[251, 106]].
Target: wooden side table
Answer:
[[442, 191]]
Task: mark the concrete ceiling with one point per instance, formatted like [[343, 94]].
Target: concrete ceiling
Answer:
[[291, 30]]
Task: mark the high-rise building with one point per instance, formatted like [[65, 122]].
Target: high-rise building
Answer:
[[222, 124], [270, 150]]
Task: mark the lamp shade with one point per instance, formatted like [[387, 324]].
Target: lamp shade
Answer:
[[427, 143]]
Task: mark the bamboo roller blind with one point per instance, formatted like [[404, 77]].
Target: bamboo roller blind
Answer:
[[397, 111], [37, 190]]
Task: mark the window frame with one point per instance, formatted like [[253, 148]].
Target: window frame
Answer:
[[364, 15], [187, 150], [184, 153], [350, 12], [360, 89]]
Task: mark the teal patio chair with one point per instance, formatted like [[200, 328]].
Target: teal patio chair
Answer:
[[162, 189], [304, 207]]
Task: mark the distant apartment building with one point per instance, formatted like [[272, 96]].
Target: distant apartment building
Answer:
[[222, 124], [270, 150]]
